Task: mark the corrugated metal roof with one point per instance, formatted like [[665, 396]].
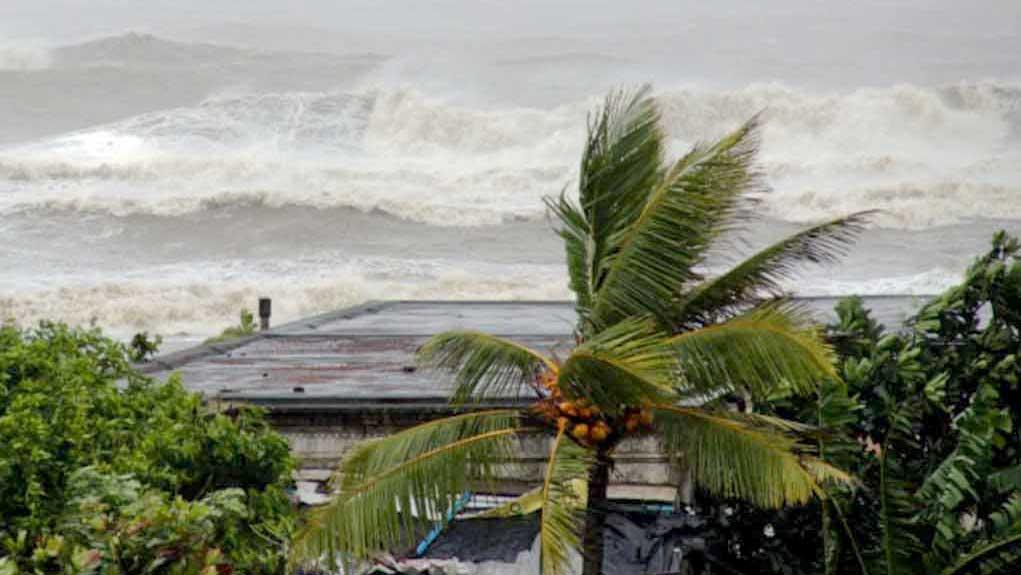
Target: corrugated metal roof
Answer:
[[365, 354]]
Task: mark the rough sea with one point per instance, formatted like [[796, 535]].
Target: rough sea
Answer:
[[162, 167]]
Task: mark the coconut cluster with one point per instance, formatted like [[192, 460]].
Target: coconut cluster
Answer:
[[584, 421]]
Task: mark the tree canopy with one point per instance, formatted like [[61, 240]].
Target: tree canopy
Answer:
[[655, 339], [81, 430]]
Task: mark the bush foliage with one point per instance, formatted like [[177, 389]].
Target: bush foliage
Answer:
[[246, 326], [94, 455], [928, 419]]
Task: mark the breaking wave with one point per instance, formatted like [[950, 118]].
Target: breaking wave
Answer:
[[179, 304], [183, 301], [24, 56], [925, 156]]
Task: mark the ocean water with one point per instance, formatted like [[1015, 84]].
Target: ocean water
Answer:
[[161, 169]]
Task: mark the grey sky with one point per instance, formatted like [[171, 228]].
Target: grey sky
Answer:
[[60, 18], [820, 43]]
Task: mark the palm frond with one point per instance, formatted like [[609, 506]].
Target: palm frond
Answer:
[[733, 456], [1006, 479], [483, 365], [760, 275], [563, 511], [655, 256], [953, 487], [620, 165], [391, 487], [531, 501], [836, 412], [831, 544], [759, 351], [525, 504], [580, 249], [900, 544], [1000, 554], [629, 364], [1000, 557], [1007, 520]]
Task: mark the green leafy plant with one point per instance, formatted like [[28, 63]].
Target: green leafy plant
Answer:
[[143, 347], [112, 525], [927, 420], [70, 400], [654, 338], [245, 328], [927, 460]]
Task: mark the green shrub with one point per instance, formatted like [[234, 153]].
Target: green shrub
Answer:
[[245, 328], [111, 524], [928, 419], [69, 400], [143, 347]]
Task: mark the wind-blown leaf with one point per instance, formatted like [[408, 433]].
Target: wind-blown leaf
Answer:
[[761, 274], [999, 550], [531, 501], [483, 365], [770, 346], [525, 504], [629, 364], [1007, 520], [563, 511], [1001, 557], [622, 155], [733, 456], [654, 257], [1007, 479], [392, 486], [579, 248], [836, 411], [953, 486], [900, 546], [620, 165]]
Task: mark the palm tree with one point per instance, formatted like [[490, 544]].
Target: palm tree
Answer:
[[657, 343]]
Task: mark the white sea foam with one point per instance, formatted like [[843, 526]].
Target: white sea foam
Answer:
[[24, 56], [927, 283], [924, 156], [202, 298], [396, 152], [183, 305]]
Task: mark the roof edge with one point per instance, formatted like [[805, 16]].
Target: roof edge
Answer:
[[174, 360]]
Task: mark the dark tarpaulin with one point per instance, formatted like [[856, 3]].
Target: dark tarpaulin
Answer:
[[637, 542], [478, 540]]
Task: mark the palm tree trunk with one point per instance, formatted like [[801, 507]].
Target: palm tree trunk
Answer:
[[595, 515]]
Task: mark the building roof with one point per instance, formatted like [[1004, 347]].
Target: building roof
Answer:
[[365, 355]]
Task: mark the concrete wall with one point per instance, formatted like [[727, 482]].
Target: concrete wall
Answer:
[[321, 440]]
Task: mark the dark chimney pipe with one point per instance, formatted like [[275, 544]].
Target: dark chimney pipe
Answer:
[[265, 310]]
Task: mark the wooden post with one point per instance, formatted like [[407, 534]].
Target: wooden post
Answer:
[[265, 310]]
